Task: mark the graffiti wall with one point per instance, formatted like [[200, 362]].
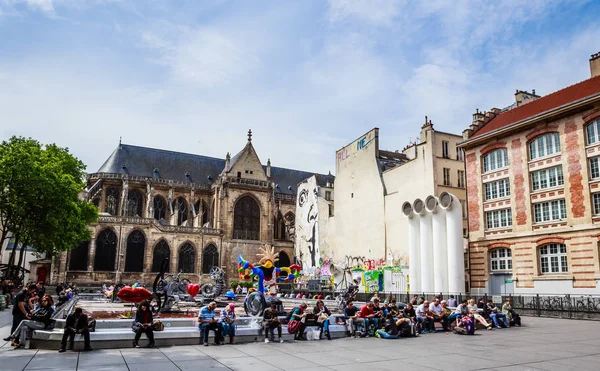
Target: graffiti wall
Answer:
[[307, 224]]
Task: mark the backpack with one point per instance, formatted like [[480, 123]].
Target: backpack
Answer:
[[405, 329], [288, 317], [468, 329]]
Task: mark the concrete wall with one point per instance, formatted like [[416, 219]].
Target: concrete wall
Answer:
[[359, 195]]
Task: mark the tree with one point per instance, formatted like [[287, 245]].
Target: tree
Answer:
[[40, 202]]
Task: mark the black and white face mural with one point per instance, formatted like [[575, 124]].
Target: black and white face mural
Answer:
[[307, 225]]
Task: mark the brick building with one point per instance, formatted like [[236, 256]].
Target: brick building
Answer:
[[533, 189], [198, 211]]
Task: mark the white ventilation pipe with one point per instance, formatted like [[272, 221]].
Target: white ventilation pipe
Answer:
[[426, 245], [454, 226], [414, 251], [440, 253]]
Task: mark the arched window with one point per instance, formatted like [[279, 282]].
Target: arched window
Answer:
[[187, 258], [111, 204], [160, 208], [495, 160], [246, 219], [553, 258], [544, 145], [134, 255], [182, 210], [210, 258], [135, 203], [106, 251], [501, 260], [279, 227], [79, 257], [593, 132], [284, 260], [160, 253]]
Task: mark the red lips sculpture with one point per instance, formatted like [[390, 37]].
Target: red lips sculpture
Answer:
[[134, 295], [193, 289]]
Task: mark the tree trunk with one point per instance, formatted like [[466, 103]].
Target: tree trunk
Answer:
[[11, 262], [22, 256]]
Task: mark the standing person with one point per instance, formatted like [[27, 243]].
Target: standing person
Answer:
[[76, 323], [426, 317], [21, 309], [322, 314], [452, 302], [143, 324], [351, 312], [511, 315], [228, 322], [40, 319], [207, 322], [271, 322], [414, 300], [474, 310], [421, 300]]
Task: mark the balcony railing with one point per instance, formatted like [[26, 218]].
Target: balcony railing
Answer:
[[249, 182], [164, 228], [145, 179]]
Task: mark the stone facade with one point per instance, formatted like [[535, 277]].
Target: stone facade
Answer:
[[215, 210], [547, 226]]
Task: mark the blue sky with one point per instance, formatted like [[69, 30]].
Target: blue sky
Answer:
[[307, 76]]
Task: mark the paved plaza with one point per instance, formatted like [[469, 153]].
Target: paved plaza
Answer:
[[543, 344]]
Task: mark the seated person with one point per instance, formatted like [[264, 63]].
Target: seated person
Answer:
[[207, 321], [459, 312], [351, 313], [465, 325], [390, 330], [492, 311], [76, 323], [367, 313], [228, 322], [143, 324], [426, 318], [393, 309], [439, 313], [270, 323], [39, 320], [378, 311], [322, 313], [299, 314], [511, 315], [409, 313], [474, 310]]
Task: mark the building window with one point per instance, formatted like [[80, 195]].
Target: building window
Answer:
[[553, 258], [210, 258], [548, 211], [460, 154], [111, 204], [596, 200], [461, 178], [161, 252], [182, 211], [79, 257], [135, 203], [498, 219], [463, 205], [187, 258], [246, 219], [501, 260], [106, 251], [445, 151], [328, 195], [447, 177], [544, 145], [593, 132], [495, 160], [547, 178], [160, 208], [594, 168], [497, 189], [134, 253]]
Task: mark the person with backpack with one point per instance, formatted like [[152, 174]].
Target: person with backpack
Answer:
[[40, 319], [390, 330], [270, 323]]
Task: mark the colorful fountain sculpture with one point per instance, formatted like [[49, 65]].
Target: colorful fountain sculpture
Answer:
[[266, 275]]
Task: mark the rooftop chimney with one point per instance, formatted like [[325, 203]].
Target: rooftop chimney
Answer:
[[595, 64]]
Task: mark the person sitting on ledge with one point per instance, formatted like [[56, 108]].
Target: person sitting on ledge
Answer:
[[426, 317], [390, 330], [76, 323], [40, 319], [459, 312], [511, 315], [439, 313], [367, 313], [207, 322], [299, 314], [322, 314], [228, 322], [143, 324], [270, 323], [351, 313], [493, 312], [474, 310]]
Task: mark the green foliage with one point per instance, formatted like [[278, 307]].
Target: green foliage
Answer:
[[234, 284], [40, 199]]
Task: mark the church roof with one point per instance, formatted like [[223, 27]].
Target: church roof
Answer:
[[141, 161]]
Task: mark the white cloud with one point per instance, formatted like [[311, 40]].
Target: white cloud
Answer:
[[377, 12]]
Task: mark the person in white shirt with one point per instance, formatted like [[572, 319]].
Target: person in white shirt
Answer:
[[474, 310], [460, 311], [425, 317], [439, 313]]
